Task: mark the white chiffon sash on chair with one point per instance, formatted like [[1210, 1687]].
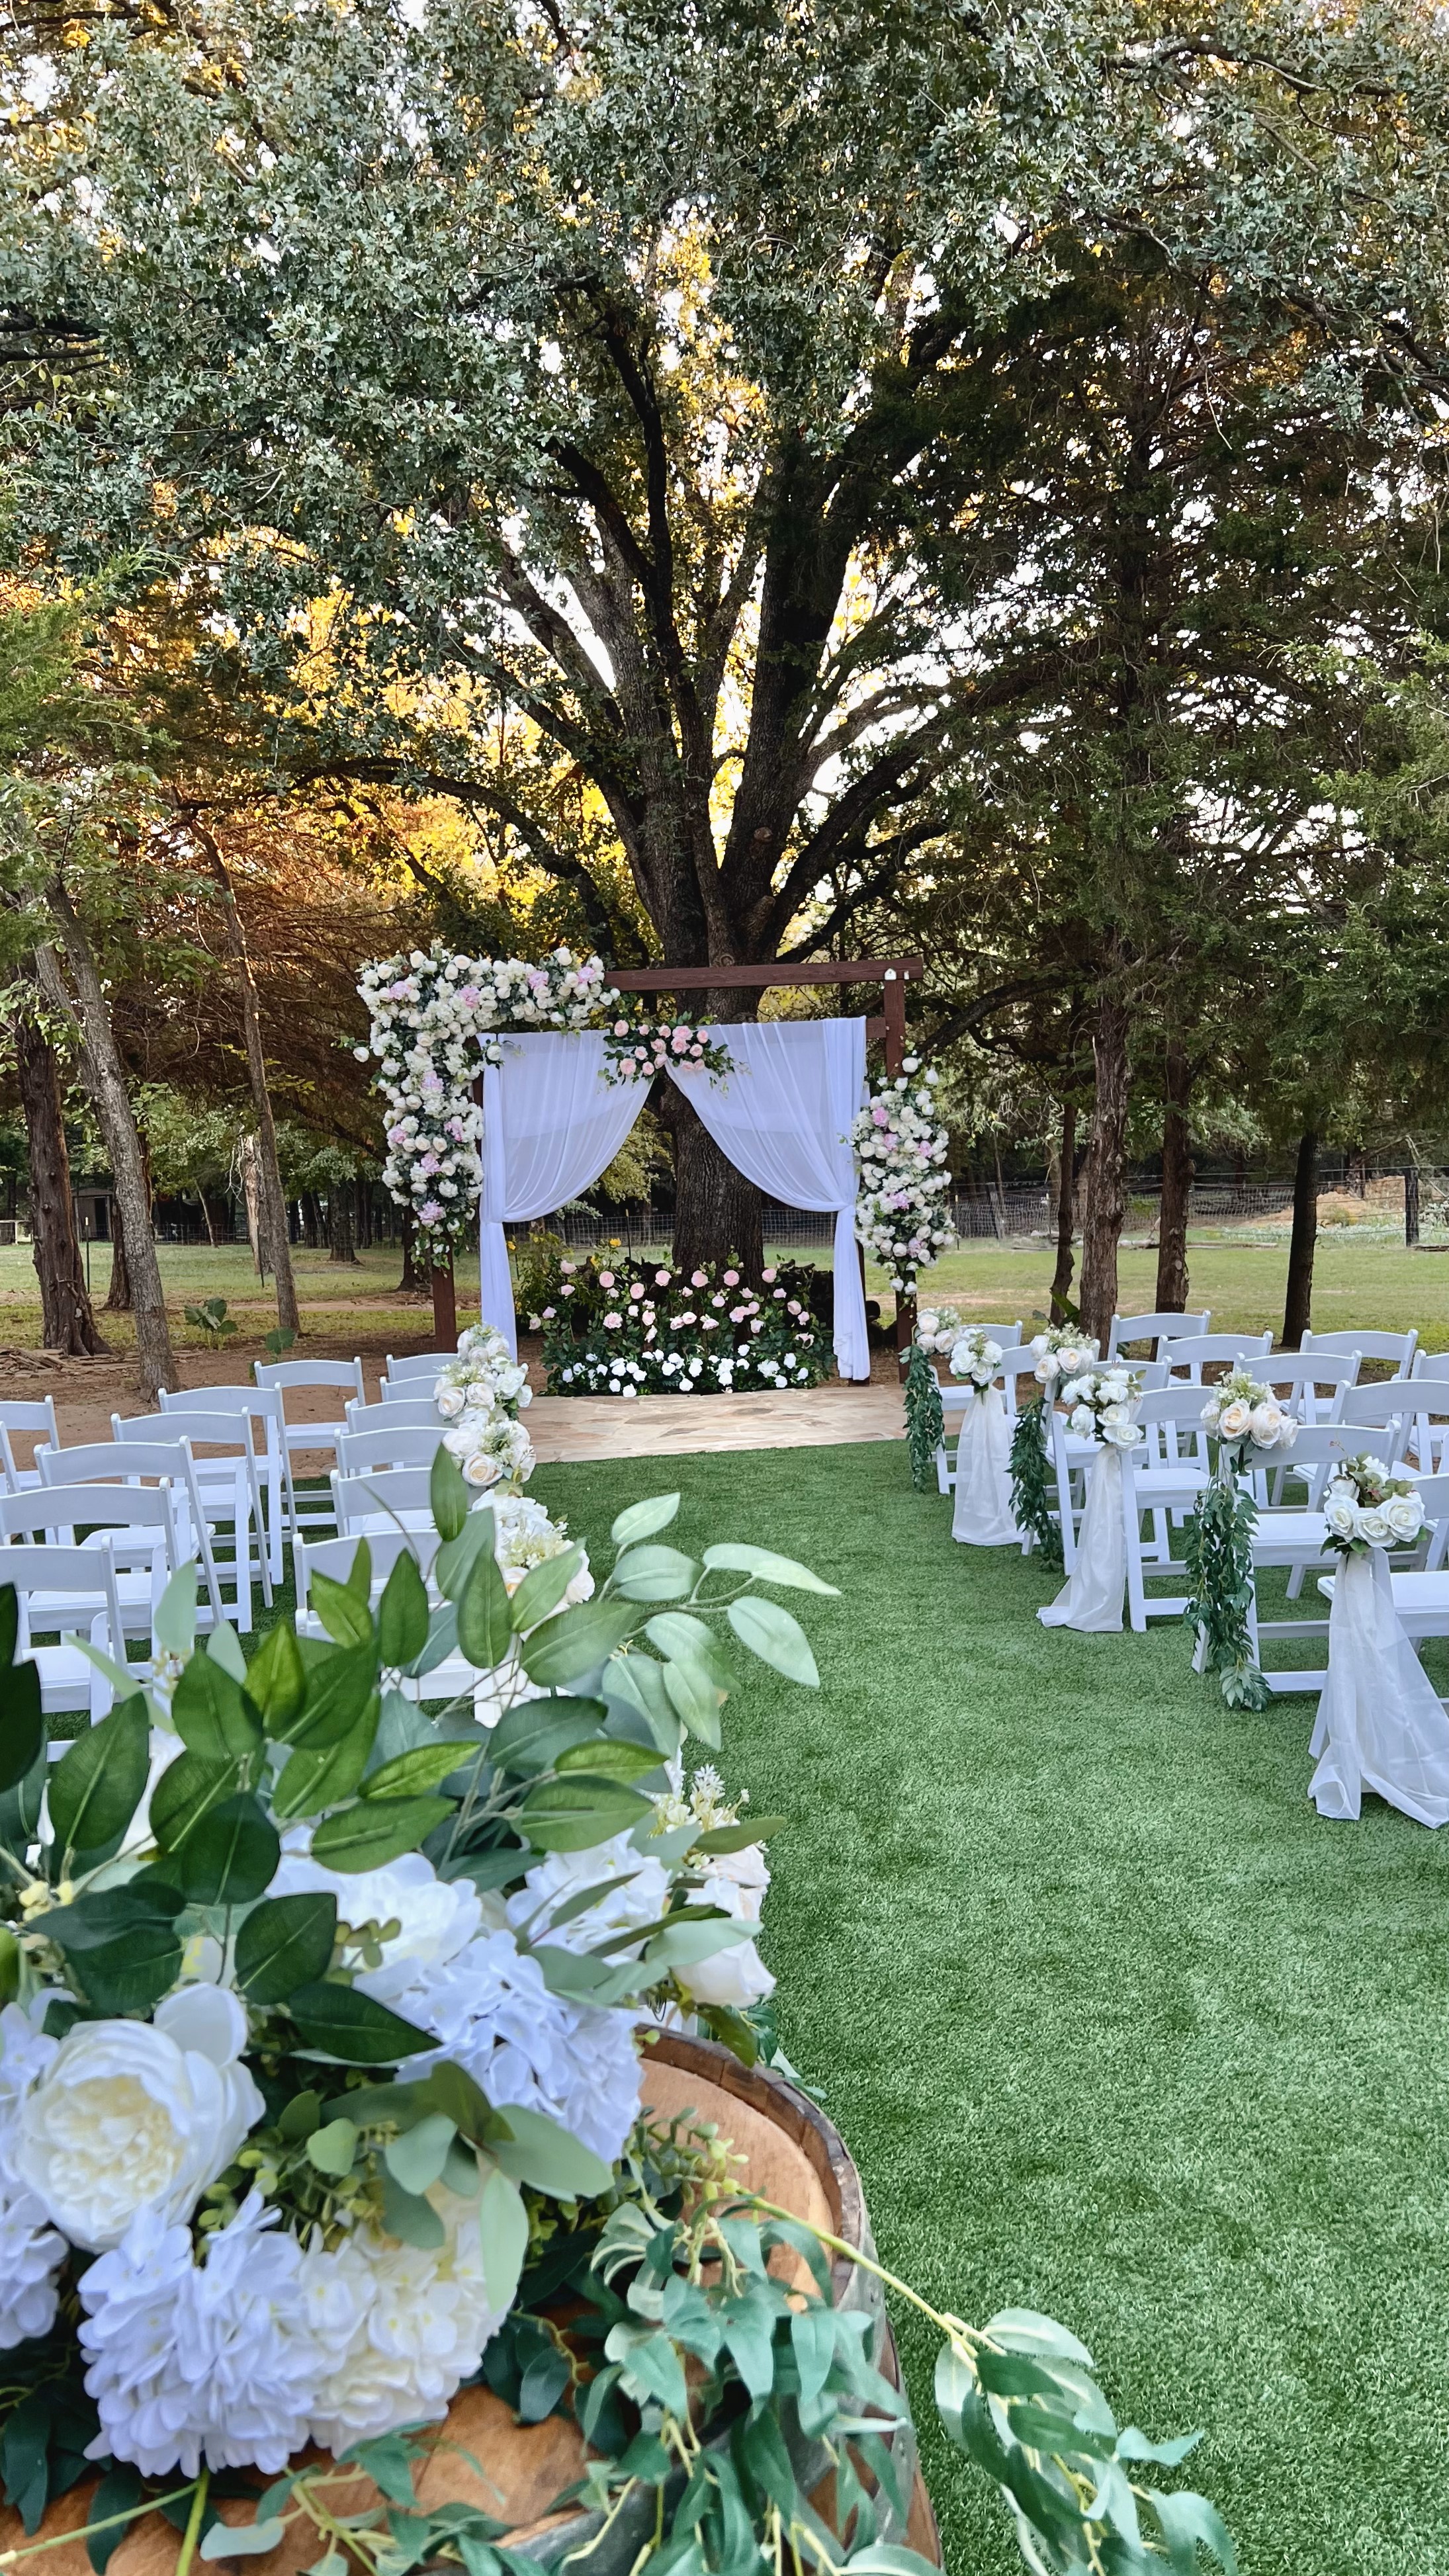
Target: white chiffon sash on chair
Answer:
[[983, 1516], [1381, 1724], [1092, 1597]]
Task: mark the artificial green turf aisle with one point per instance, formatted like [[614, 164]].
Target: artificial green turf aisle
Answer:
[[1114, 2025]]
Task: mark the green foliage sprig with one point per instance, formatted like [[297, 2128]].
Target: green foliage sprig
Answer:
[[1219, 1555], [1030, 1483], [925, 1421]]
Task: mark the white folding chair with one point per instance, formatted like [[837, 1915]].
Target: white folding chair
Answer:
[[955, 1393], [358, 1452], [80, 1583], [1373, 1423], [1397, 1348], [139, 1464], [1430, 1373], [1295, 1540], [410, 1413], [227, 1488], [384, 1500], [33, 1421], [406, 1390], [422, 1364], [335, 1556], [1163, 1477], [1156, 1329], [267, 1405], [139, 1526], [310, 1509], [1199, 1350]]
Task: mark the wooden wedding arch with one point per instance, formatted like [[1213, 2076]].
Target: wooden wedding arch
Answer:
[[893, 974]]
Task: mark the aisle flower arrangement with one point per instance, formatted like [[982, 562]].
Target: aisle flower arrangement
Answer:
[[479, 1394], [319, 2089], [615, 1326], [1246, 1421], [925, 1418], [1061, 1353], [900, 1147], [1099, 1405], [937, 1327], [974, 1357], [1367, 1504]]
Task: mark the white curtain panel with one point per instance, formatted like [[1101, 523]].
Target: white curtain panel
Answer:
[[1381, 1724], [783, 1117], [1092, 1599], [551, 1125], [983, 1516]]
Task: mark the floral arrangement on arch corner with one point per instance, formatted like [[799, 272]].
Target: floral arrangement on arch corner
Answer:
[[619, 1326], [900, 1148], [1244, 1419], [320, 2089]]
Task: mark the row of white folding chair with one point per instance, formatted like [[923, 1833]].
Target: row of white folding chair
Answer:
[[228, 1487], [272, 1462], [30, 1421], [342, 1376], [118, 1473], [72, 1589], [1156, 1329], [139, 1528]]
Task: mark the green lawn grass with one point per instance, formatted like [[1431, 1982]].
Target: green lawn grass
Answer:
[[1114, 2025]]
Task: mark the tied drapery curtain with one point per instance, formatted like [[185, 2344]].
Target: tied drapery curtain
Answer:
[[1381, 1724], [783, 1117]]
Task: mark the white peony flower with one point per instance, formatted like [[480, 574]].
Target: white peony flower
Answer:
[[491, 2011], [437, 1917], [224, 2359], [737, 1882], [125, 2118], [424, 2320], [25, 2054]]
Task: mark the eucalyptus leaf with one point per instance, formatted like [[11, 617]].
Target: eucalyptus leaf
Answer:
[[310, 1781], [775, 1637], [485, 1616], [338, 2022], [734, 1557], [284, 1944], [276, 1682], [416, 2159], [549, 2158], [572, 1814], [642, 1520], [543, 1588], [213, 1715], [413, 2220], [347, 1620], [655, 1574], [375, 1831], [609, 1758], [333, 2148], [22, 1724], [231, 1857], [225, 1648], [188, 1791], [448, 1494], [423, 1767], [531, 1736], [173, 1622], [402, 1613], [503, 2225], [98, 1783], [564, 1649], [695, 1701], [456, 1559]]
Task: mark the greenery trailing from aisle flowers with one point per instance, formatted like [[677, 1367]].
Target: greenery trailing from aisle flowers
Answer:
[[925, 1421], [1244, 1419], [1030, 1472]]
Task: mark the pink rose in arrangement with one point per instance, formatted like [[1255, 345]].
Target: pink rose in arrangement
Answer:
[[549, 1313], [612, 1323], [469, 997], [621, 1028], [738, 1314], [606, 1279], [732, 1279], [780, 1293], [768, 1275], [699, 1279], [661, 1278], [680, 1041], [568, 1291], [636, 1290], [429, 1212], [568, 1268]]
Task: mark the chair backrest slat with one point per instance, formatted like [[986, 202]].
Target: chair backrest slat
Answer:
[[366, 1497], [357, 1451], [1398, 1347], [406, 1414], [288, 1373], [1155, 1328], [1196, 1348], [422, 1364]]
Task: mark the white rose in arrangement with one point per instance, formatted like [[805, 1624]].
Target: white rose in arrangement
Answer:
[[480, 1470], [1114, 1412], [1374, 1526], [1082, 1420], [127, 2117], [1267, 1424], [1405, 1515], [451, 1401], [1340, 1509], [737, 1882], [436, 1917], [991, 1354], [1235, 1421], [1121, 1435]]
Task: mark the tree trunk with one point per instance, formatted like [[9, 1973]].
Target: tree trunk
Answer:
[[311, 1221], [67, 1322], [1177, 1170], [1066, 1212], [118, 1295], [414, 1280], [106, 1083], [339, 1224], [1411, 1206], [1104, 1197], [718, 1214], [1298, 1301], [272, 1203], [251, 1181]]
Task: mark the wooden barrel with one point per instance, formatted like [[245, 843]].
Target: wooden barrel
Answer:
[[792, 2155]]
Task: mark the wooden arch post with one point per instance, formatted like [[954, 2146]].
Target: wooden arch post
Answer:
[[893, 974]]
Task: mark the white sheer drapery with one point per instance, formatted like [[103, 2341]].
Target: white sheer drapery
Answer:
[[1091, 1599], [551, 1124], [983, 1516], [783, 1117], [1381, 1724]]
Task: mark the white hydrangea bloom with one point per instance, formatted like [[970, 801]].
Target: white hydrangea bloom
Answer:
[[493, 2014], [221, 2359], [31, 2256], [423, 2319], [632, 1891]]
